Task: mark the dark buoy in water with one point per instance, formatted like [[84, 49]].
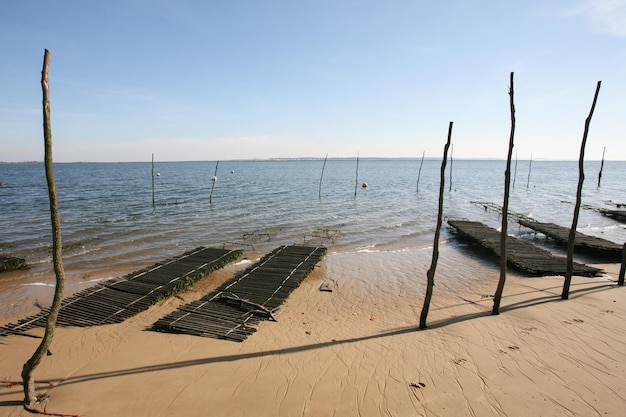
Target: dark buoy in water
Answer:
[[364, 185]]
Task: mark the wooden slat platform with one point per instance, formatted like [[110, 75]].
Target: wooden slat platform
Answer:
[[522, 255], [584, 243], [232, 310], [115, 300]]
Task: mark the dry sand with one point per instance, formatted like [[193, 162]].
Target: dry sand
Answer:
[[356, 351]]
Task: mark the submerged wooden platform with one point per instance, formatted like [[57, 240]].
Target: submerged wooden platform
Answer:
[[233, 309], [115, 300], [522, 255], [583, 243]]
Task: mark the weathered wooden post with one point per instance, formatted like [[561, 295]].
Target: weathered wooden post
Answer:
[[505, 209], [30, 398], [319, 194], [419, 173], [430, 274], [569, 270]]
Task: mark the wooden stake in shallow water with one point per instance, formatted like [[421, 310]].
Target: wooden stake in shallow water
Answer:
[[505, 209], [153, 204], [214, 179], [530, 166], [601, 166], [30, 398], [430, 275], [569, 270], [419, 173], [356, 185], [319, 194]]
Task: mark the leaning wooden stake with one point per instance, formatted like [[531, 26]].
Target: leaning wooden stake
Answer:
[[153, 204], [601, 166], [430, 275], [505, 209], [356, 184], [530, 166], [30, 398], [419, 173], [319, 193], [569, 270], [214, 179]]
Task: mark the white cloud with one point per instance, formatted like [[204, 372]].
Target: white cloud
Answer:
[[607, 16]]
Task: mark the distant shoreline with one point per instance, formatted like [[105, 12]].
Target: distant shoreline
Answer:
[[371, 158]]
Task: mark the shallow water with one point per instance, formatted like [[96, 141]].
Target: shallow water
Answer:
[[110, 227]]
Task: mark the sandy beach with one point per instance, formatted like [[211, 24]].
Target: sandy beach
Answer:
[[356, 350]]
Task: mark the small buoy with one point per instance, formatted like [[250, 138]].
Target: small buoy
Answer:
[[232, 171], [214, 178], [364, 185], [158, 174]]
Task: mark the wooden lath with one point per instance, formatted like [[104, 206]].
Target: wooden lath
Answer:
[[118, 299], [233, 309]]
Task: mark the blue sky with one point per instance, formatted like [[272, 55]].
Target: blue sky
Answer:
[[207, 80]]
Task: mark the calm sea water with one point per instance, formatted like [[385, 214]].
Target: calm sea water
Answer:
[[109, 225]]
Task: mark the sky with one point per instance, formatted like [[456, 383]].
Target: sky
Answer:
[[255, 79]]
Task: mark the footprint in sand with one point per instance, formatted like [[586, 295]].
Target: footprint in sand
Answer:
[[418, 385], [579, 321], [607, 312], [459, 361], [514, 347]]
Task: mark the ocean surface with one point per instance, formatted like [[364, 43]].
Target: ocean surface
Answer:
[[111, 227]]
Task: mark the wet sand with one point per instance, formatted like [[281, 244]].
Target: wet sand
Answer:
[[356, 350]]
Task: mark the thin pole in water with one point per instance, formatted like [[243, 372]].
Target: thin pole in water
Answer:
[[214, 179], [601, 166], [153, 203], [419, 173], [356, 184], [319, 194], [530, 166]]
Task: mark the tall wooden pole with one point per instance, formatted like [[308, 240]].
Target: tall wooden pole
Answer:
[[569, 270], [505, 208], [430, 275], [319, 193], [30, 398]]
